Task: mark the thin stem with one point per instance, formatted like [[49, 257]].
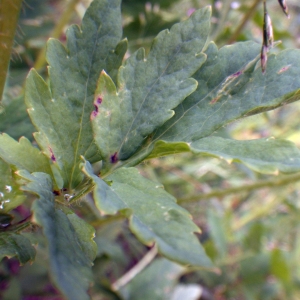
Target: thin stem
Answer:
[[246, 188], [9, 14], [63, 21], [246, 18], [140, 266]]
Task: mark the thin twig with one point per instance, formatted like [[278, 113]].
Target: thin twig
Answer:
[[246, 18], [63, 21], [140, 266], [246, 188]]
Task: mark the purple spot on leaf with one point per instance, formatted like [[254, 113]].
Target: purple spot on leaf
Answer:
[[237, 74], [52, 155], [114, 158], [94, 114], [99, 100]]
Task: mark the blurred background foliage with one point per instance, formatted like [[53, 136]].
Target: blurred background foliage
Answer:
[[250, 222]]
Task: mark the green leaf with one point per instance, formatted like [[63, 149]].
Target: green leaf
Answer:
[[217, 232], [262, 155], [231, 86], [154, 214], [148, 286], [61, 112], [16, 245], [10, 194], [280, 267], [70, 239], [148, 89], [23, 155]]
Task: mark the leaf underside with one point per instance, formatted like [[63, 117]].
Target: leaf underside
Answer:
[[154, 214], [268, 156], [148, 88], [70, 244], [61, 111]]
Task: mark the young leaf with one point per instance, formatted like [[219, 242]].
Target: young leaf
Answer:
[[70, 244], [231, 87], [268, 156], [16, 245], [23, 155], [148, 89], [61, 112], [155, 216]]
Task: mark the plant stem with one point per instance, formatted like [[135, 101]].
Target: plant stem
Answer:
[[63, 21], [140, 266], [284, 180], [246, 18], [9, 14]]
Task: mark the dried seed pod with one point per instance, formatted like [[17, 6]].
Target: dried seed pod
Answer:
[[264, 58], [267, 28], [284, 7]]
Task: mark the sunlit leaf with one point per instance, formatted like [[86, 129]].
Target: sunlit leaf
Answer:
[[61, 111], [148, 88], [154, 214]]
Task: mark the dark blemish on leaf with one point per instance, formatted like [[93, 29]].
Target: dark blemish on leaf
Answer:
[[52, 155], [95, 112], [98, 100], [283, 69], [56, 193], [114, 158], [237, 74]]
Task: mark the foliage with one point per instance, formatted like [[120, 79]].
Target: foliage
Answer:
[[97, 116]]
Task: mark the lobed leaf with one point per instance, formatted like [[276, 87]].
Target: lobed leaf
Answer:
[[23, 155], [268, 156], [148, 89], [70, 244], [231, 86], [154, 214], [61, 111], [16, 245]]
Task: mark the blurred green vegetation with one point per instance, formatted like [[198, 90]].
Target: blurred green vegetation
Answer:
[[252, 233]]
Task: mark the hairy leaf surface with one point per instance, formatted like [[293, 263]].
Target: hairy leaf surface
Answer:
[[262, 155], [61, 111], [16, 245], [155, 216], [70, 239], [148, 89], [231, 86]]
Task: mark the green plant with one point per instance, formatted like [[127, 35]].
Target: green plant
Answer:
[[98, 116]]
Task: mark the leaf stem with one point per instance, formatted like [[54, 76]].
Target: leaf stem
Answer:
[[140, 266], [63, 21], [284, 180], [9, 14]]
